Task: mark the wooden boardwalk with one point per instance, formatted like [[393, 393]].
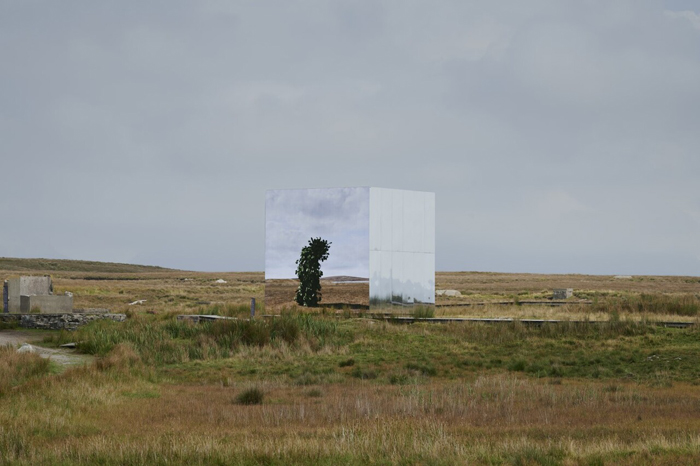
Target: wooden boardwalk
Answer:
[[530, 322]]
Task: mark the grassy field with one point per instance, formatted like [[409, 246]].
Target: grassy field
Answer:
[[280, 294], [333, 387]]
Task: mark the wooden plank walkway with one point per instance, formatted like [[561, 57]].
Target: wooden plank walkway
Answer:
[[442, 320], [518, 303], [531, 322]]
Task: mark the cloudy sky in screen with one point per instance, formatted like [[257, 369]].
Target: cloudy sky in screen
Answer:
[[340, 216], [558, 136]]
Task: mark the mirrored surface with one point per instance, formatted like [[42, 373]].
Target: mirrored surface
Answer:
[[338, 215], [402, 247]]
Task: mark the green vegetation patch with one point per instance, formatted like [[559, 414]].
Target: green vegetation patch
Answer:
[[168, 341]]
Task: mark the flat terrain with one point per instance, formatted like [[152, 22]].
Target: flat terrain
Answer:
[[328, 386], [114, 286], [60, 356], [279, 294]]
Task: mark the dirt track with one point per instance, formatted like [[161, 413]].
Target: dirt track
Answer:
[[65, 357]]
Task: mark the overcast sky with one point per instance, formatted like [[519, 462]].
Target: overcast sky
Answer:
[[558, 136]]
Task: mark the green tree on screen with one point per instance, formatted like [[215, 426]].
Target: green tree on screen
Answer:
[[309, 271]]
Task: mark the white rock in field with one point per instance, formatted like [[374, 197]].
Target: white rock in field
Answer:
[[138, 301], [221, 280], [26, 348], [452, 293]]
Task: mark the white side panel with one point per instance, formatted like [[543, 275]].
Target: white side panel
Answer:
[[375, 220], [413, 220], [429, 224], [385, 219], [402, 243], [396, 220]]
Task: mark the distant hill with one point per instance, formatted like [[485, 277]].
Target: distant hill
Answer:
[[344, 278], [63, 265]]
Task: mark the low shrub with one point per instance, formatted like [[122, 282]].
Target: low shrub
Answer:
[[346, 363], [250, 396], [364, 374], [518, 365]]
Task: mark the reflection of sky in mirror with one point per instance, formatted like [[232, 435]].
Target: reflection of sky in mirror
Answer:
[[339, 215]]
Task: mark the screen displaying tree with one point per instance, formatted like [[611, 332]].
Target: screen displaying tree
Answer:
[[309, 271]]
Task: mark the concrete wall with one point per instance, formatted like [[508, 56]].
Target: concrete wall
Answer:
[[26, 286], [13, 294], [35, 286], [46, 304]]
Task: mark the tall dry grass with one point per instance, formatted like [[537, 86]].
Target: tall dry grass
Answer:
[[160, 341], [18, 368], [491, 419]]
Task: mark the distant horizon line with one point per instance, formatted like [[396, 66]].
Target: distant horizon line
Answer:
[[263, 271]]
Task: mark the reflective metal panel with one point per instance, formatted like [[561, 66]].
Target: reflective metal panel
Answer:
[[338, 215], [382, 251], [402, 247]]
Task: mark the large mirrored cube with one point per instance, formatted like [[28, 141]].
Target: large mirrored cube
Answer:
[[382, 245]]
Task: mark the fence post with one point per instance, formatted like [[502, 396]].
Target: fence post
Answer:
[[5, 297]]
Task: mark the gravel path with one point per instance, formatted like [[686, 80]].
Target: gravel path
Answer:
[[64, 357]]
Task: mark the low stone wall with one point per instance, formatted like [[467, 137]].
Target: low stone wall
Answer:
[[10, 318], [57, 321]]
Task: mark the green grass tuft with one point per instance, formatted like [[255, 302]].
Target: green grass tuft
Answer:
[[250, 396]]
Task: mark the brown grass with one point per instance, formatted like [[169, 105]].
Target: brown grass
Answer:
[[189, 292], [17, 368], [126, 410], [510, 284], [279, 294], [491, 419]]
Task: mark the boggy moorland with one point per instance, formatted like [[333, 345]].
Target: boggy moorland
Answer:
[[333, 386]]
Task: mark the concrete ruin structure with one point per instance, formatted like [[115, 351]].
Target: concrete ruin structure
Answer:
[[562, 293], [34, 294]]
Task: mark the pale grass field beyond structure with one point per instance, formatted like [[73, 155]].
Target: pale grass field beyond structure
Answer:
[[343, 389], [114, 286]]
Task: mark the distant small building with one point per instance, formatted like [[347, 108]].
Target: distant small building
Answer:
[[27, 294], [562, 293]]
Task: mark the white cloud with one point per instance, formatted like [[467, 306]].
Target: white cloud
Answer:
[[687, 15]]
